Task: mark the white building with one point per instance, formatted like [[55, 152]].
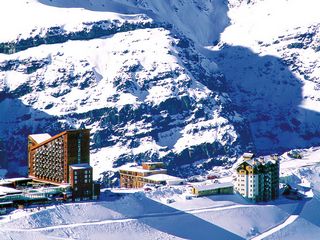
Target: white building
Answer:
[[258, 178]]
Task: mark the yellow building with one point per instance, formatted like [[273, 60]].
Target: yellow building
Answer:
[[133, 176]]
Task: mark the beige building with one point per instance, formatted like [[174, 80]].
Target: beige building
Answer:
[[134, 176]]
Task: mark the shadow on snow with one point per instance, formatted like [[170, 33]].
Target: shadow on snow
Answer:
[[268, 95]]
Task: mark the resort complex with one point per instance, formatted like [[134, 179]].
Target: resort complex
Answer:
[[59, 170]]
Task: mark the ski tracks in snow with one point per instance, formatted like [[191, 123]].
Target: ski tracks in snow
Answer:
[[282, 225], [124, 220]]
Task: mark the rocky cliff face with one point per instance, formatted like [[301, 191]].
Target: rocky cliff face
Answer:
[[139, 83], [192, 83]]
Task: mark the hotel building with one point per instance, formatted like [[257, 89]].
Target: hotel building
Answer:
[[258, 178], [63, 159], [134, 176]]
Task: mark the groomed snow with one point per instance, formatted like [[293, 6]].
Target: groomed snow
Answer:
[[144, 218], [146, 215]]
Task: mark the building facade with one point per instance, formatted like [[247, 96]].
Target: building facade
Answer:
[[258, 178], [50, 157], [80, 179], [212, 189], [134, 176], [63, 159]]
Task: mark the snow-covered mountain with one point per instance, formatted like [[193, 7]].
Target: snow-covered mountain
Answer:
[[270, 56], [193, 83], [130, 71], [136, 214]]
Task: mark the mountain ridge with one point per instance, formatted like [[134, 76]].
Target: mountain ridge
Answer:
[[151, 86]]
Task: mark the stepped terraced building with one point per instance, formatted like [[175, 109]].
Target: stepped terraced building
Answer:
[[258, 178], [135, 176]]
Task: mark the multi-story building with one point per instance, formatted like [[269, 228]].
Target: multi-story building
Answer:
[[80, 179], [258, 178], [50, 157], [63, 159], [134, 176]]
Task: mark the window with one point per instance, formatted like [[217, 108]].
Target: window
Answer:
[[79, 149]]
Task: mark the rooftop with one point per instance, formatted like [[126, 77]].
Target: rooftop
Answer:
[[80, 166], [4, 182], [261, 161], [213, 186], [140, 169], [39, 138], [17, 179], [152, 163], [6, 203], [162, 177], [7, 190], [248, 155]]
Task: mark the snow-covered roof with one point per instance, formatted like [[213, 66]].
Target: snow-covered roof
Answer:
[[4, 182], [39, 138], [6, 203], [163, 177], [16, 179], [7, 190], [80, 166], [213, 186], [140, 169], [261, 161], [248, 155], [305, 184], [152, 163]]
